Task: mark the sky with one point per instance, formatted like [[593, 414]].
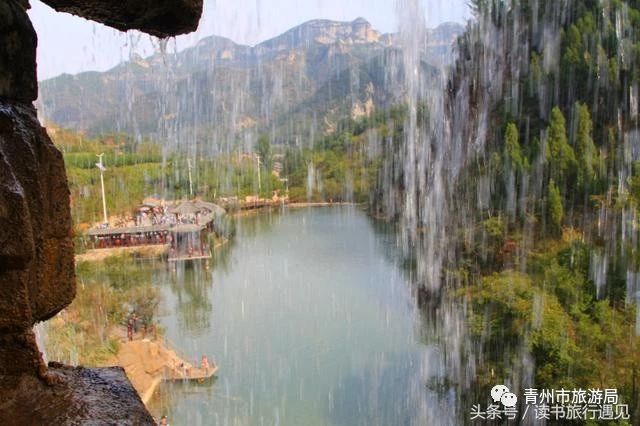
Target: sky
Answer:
[[68, 44]]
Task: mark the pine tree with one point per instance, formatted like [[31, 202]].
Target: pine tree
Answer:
[[263, 149], [559, 154], [555, 209], [513, 157], [586, 150]]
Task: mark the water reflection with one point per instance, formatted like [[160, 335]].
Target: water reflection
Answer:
[[311, 317], [190, 287]]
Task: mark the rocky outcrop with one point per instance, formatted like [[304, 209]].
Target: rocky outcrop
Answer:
[[36, 249], [81, 396], [161, 18], [18, 54], [324, 32]]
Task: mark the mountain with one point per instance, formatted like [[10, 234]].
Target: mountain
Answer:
[[291, 86]]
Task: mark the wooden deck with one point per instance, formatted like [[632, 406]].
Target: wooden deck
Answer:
[[186, 257], [149, 362], [192, 374]]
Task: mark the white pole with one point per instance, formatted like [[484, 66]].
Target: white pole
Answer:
[[259, 182], [104, 201], [190, 182]]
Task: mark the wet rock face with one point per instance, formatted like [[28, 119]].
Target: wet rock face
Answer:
[[18, 53], [36, 250], [79, 396], [161, 18]]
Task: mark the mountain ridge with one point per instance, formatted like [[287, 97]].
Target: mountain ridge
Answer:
[[224, 87]]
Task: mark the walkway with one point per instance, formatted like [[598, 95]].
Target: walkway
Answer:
[[147, 363]]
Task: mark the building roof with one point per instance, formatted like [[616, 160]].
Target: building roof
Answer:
[[181, 228], [212, 207], [185, 207], [152, 201]]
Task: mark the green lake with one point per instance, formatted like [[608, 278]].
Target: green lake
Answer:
[[311, 318]]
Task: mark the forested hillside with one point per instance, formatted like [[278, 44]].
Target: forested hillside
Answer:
[[532, 171]]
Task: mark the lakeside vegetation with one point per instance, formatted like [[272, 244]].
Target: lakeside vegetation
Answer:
[[89, 330], [343, 167]]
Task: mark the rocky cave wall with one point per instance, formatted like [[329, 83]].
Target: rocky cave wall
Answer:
[[36, 250]]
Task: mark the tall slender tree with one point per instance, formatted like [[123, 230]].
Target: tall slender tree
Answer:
[[559, 154], [586, 150]]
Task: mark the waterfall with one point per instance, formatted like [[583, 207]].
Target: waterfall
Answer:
[[510, 68]]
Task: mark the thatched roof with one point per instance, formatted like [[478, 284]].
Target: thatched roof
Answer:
[[185, 207], [212, 207], [152, 201]]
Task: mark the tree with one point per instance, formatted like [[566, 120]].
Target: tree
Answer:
[[586, 150], [513, 157], [535, 74], [559, 153], [555, 209], [263, 149]]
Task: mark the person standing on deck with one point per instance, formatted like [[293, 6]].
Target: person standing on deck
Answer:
[[130, 329], [204, 364]]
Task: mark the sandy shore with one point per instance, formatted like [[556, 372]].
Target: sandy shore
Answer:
[[95, 255]]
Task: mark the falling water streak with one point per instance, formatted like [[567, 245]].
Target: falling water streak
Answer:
[[426, 163], [40, 330], [438, 149], [500, 64]]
